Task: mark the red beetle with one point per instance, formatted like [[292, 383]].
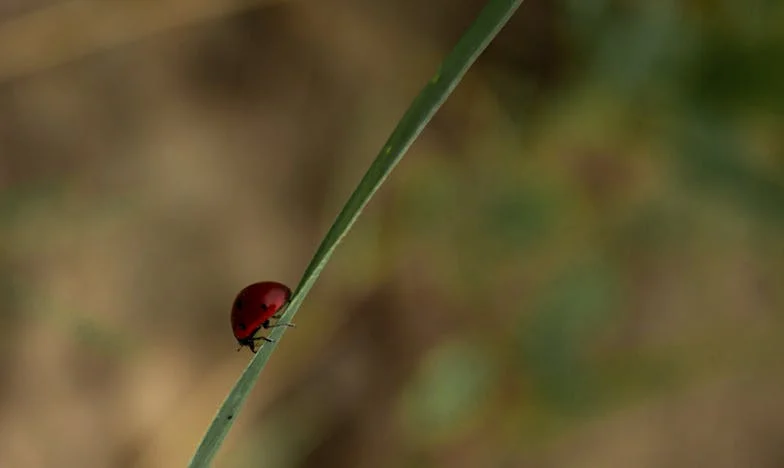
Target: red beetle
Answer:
[[253, 309]]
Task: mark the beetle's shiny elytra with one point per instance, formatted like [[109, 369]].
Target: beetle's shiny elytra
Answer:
[[254, 308]]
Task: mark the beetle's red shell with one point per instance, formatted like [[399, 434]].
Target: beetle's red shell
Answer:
[[254, 307]]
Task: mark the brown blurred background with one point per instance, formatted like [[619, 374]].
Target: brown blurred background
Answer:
[[580, 263]]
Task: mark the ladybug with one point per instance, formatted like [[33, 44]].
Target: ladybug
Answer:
[[253, 309]]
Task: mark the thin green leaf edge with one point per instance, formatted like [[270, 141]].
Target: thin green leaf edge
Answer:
[[491, 19]]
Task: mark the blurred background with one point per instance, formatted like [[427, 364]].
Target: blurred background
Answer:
[[580, 263]]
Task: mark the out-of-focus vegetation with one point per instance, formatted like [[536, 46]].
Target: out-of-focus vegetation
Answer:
[[579, 264]]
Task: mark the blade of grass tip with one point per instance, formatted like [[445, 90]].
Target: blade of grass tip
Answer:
[[487, 25]]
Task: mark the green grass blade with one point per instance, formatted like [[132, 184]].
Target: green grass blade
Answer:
[[487, 25]]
